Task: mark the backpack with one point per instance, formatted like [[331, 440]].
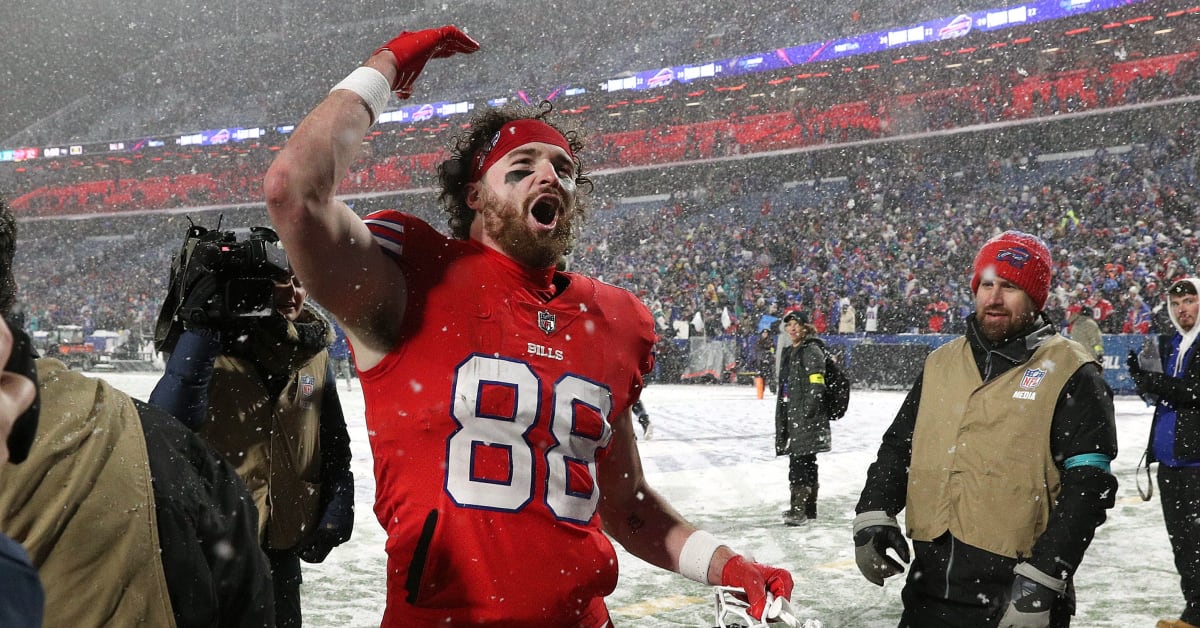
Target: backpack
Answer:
[[837, 389]]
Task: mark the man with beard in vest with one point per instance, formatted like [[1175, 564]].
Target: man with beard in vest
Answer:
[[999, 457]]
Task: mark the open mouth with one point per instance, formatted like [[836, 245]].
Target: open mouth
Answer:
[[545, 211]]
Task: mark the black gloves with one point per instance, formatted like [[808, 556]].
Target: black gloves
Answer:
[[336, 524], [1033, 594], [876, 532], [1145, 381]]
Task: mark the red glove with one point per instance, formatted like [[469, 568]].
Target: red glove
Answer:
[[414, 50], [757, 580]]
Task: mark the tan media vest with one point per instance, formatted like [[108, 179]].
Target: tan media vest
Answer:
[[82, 505], [273, 443], [981, 463]]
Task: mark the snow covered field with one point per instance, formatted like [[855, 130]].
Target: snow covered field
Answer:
[[712, 455]]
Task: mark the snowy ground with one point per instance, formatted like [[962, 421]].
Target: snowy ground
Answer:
[[712, 456]]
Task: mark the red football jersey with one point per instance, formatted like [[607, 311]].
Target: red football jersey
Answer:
[[487, 421]]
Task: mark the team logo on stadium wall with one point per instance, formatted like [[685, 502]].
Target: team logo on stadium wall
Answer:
[[957, 27], [423, 114], [546, 322], [661, 79]]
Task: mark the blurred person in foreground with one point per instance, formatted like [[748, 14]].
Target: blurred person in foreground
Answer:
[[1175, 439], [999, 457], [801, 424], [130, 519], [261, 390], [22, 599], [498, 389]]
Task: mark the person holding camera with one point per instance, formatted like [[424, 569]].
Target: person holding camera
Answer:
[[257, 383], [130, 518]]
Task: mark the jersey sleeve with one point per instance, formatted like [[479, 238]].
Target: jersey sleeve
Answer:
[[408, 240]]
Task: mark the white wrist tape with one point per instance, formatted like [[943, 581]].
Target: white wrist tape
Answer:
[[371, 86], [696, 555]]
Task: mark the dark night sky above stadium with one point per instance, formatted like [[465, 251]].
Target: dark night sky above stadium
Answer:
[[58, 52]]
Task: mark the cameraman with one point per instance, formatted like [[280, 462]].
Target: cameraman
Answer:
[[261, 390]]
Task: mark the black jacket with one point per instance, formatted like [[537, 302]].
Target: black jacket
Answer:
[[1083, 423], [207, 530]]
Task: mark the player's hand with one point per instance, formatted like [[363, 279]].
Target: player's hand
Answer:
[[414, 49], [762, 583]]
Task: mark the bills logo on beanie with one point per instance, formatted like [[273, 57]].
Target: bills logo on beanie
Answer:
[[1018, 257]]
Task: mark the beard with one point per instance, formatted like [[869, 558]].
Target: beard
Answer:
[[997, 330], [504, 222]]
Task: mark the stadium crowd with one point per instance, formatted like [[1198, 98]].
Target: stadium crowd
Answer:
[[718, 250], [1121, 224]]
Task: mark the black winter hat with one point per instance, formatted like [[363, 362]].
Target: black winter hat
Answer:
[[796, 315]]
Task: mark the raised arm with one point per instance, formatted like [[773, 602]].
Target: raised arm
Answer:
[[329, 246]]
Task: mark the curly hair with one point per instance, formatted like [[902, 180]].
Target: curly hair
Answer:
[[8, 248], [455, 173]]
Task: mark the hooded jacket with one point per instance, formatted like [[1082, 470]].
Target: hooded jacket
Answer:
[[1175, 431], [266, 398]]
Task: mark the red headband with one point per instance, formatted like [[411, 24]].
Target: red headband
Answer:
[[513, 135]]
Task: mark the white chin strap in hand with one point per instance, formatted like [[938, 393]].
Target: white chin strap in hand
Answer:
[[732, 611]]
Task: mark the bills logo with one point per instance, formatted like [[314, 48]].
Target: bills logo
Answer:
[[957, 27], [661, 79], [546, 322], [1031, 380], [543, 351], [423, 114], [1015, 256]]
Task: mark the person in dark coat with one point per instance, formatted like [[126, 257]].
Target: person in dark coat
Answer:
[[1000, 458], [1175, 439], [801, 424], [764, 347]]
